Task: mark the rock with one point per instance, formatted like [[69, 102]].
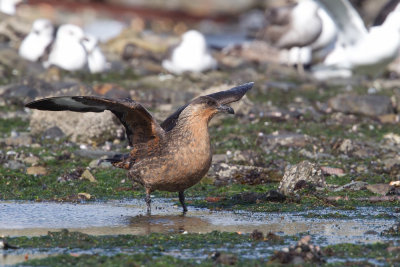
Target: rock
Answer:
[[36, 170], [257, 235], [347, 146], [53, 133], [219, 158], [247, 156], [21, 139], [392, 231], [369, 105], [223, 174], [286, 139], [30, 88], [84, 127], [314, 155], [392, 249], [391, 163], [303, 174], [88, 176], [392, 139], [299, 254], [332, 171], [274, 238], [380, 189], [353, 186], [274, 196], [395, 183], [248, 198], [253, 198], [14, 165], [99, 164], [397, 99], [74, 175], [85, 196], [389, 118], [224, 258], [356, 148], [31, 160], [5, 245]]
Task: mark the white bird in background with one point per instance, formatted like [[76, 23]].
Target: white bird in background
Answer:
[[190, 55], [295, 28], [327, 38], [95, 58], [358, 50], [36, 42], [68, 52], [9, 6]]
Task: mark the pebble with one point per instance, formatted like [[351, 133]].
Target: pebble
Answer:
[[36, 170], [88, 176], [14, 165], [32, 160], [368, 105]]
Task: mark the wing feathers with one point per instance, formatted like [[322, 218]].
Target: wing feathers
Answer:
[[139, 124]]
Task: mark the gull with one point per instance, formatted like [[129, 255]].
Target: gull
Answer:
[[171, 156], [191, 55], [34, 45], [9, 6], [326, 39], [68, 52], [294, 28], [95, 58], [358, 50]]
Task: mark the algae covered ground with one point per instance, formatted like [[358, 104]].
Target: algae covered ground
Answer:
[[64, 162], [285, 121]]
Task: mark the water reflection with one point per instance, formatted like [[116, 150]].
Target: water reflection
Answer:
[[128, 217]]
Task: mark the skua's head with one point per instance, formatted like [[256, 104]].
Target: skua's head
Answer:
[[205, 107]]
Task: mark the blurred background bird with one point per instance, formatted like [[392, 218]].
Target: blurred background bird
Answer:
[[38, 40], [95, 58], [191, 54], [68, 51]]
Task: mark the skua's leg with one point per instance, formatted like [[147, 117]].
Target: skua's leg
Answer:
[[182, 200], [148, 201]]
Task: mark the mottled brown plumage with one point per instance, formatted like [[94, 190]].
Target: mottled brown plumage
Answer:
[[171, 156]]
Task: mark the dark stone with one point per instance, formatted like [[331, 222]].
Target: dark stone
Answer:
[[248, 197], [257, 235], [369, 105], [275, 196], [224, 258], [74, 175], [53, 133]]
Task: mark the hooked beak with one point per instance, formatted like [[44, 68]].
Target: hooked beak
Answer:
[[226, 109]]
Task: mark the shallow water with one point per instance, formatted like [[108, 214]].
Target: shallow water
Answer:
[[128, 217]]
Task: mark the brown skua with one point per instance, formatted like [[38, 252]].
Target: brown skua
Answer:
[[171, 156]]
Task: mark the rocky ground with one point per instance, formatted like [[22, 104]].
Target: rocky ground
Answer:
[[293, 144], [331, 145]]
